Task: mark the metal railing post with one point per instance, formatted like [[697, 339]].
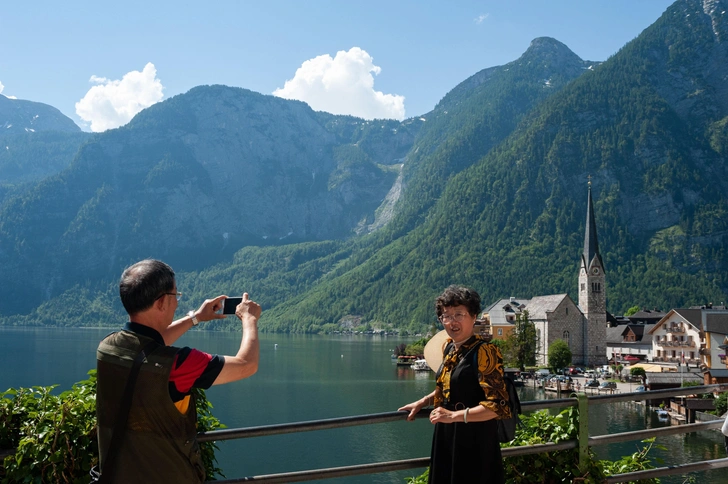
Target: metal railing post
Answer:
[[583, 431]]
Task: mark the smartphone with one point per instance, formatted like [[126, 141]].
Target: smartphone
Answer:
[[230, 304]]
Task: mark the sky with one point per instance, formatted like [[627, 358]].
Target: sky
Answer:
[[100, 63]]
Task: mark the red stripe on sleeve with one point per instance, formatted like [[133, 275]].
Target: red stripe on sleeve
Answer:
[[189, 371]]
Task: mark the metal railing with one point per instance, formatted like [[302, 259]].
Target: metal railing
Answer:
[[583, 442]]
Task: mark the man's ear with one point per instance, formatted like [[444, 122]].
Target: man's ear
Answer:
[[160, 303]]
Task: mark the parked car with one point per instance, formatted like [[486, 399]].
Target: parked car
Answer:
[[640, 388], [591, 384], [607, 385]]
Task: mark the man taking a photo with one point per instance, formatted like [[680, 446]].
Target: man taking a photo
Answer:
[[159, 440]]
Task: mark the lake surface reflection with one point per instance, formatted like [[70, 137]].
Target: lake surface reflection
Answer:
[[303, 377]]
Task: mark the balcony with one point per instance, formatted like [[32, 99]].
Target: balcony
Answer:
[[675, 328]]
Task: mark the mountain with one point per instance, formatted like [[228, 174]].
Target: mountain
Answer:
[[291, 145], [20, 116], [36, 141], [649, 127], [203, 173], [488, 190]]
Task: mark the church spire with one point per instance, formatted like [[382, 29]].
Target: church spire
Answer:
[[591, 244]]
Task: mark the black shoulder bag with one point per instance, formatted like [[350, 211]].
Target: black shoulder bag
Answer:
[[117, 435]]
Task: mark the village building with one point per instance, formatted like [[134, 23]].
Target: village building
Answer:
[[629, 343], [582, 327], [694, 337]]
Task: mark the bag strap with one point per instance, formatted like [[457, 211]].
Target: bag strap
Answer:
[[122, 417]]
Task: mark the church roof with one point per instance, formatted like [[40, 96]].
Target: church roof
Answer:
[[591, 244], [540, 305]]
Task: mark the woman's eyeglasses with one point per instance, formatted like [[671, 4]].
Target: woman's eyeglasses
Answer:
[[449, 318]]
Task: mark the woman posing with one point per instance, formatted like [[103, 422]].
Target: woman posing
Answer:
[[469, 396]]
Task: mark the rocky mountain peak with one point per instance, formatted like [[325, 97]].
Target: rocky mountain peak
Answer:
[[552, 55]]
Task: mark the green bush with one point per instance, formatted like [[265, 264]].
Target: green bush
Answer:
[[54, 436]]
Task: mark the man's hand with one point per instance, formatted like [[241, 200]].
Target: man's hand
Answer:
[[209, 309], [248, 309]]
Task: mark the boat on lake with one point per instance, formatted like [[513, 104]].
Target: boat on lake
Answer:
[[420, 365]]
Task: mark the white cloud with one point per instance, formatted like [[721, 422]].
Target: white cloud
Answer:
[[1, 92], [480, 18], [342, 85], [112, 103]]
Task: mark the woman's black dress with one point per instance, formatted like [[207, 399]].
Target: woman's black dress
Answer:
[[466, 453]]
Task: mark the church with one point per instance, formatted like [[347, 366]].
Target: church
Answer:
[[557, 316]]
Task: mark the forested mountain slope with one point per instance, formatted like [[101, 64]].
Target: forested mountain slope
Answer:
[[36, 141], [648, 125]]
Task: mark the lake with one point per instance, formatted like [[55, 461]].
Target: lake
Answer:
[[305, 377]]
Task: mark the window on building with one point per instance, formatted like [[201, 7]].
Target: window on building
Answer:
[[567, 311], [500, 331], [596, 287], [583, 286]]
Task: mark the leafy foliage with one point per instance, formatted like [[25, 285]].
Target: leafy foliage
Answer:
[[559, 355], [55, 435], [520, 345], [721, 404], [637, 372]]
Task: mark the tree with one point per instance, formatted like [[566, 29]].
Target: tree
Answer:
[[559, 354], [520, 345], [638, 372], [631, 311]]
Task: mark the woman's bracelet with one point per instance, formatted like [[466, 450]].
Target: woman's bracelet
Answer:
[[465, 415]]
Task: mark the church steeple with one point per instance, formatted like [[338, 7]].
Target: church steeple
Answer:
[[591, 244], [593, 292]]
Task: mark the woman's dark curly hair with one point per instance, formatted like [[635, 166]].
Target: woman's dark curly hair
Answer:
[[458, 296]]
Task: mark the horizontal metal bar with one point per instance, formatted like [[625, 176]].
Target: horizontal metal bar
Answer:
[[656, 394], [539, 448], [654, 432], [324, 424], [669, 471], [341, 422], [333, 472], [391, 466], [534, 405]]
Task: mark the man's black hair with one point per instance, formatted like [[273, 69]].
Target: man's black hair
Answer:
[[458, 296], [142, 283]]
